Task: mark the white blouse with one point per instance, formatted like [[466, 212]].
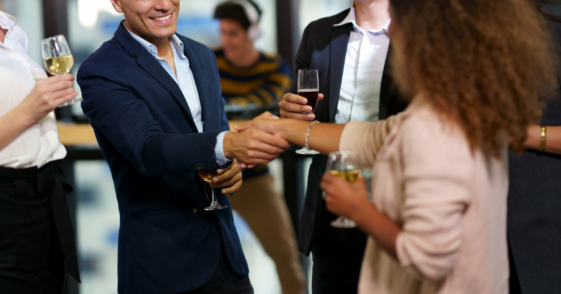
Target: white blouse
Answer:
[[39, 144]]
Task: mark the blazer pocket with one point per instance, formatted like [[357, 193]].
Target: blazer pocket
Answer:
[[154, 211]]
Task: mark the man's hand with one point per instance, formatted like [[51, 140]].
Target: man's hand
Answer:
[[229, 178], [253, 146], [294, 106]]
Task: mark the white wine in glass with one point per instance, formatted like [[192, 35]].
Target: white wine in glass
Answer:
[[58, 59], [344, 165], [207, 176]]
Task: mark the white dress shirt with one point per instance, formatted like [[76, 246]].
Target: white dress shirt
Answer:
[[39, 144], [359, 98], [186, 82]]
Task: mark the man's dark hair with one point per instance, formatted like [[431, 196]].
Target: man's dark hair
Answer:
[[236, 12]]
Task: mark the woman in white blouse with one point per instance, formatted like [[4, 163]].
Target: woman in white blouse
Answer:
[[437, 219], [36, 235]]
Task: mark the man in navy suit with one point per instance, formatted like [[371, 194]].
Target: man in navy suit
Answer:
[[154, 100]]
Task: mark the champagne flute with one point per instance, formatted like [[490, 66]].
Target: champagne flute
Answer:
[[343, 164], [207, 177], [308, 87], [58, 59]]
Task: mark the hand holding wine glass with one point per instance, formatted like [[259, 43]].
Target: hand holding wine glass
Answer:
[[46, 95], [58, 59], [342, 164]]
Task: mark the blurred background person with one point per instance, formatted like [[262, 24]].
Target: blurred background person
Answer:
[[253, 82], [351, 52], [437, 222], [534, 200], [36, 235]]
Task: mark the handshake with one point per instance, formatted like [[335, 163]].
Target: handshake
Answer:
[[264, 138]]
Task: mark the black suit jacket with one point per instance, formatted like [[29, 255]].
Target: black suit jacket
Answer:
[[324, 47], [143, 124], [534, 209]]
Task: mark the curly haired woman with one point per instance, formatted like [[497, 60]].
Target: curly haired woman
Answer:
[[437, 220]]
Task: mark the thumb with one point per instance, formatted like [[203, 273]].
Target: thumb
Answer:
[[320, 97]]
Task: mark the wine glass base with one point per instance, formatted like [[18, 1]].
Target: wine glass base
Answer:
[[215, 206], [70, 102], [343, 223], [306, 151]]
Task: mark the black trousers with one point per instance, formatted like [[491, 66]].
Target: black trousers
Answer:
[[224, 281], [32, 259], [337, 256]]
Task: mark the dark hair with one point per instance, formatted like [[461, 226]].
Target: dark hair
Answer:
[[236, 12], [480, 63]]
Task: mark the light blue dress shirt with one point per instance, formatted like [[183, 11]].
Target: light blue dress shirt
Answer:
[[187, 84]]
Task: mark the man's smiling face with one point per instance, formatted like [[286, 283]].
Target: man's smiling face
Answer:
[[152, 20]]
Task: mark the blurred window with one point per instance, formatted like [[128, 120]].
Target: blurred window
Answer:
[[311, 10], [29, 15]]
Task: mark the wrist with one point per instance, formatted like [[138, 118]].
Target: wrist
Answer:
[[23, 117], [227, 145], [364, 209]]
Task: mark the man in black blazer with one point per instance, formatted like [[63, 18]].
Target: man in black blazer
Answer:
[[335, 46], [154, 100]]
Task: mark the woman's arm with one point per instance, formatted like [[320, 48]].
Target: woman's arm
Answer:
[[45, 96], [364, 137], [553, 139]]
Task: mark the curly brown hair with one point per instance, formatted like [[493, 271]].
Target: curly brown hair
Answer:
[[480, 63]]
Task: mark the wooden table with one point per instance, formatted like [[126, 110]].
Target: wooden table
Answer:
[[71, 134]]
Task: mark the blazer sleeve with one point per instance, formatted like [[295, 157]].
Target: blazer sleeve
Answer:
[[367, 138], [437, 194], [126, 121]]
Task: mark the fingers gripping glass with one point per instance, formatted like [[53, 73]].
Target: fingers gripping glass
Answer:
[[308, 87], [207, 177], [58, 59], [344, 165]]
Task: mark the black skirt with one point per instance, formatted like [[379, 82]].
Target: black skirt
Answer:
[[36, 235]]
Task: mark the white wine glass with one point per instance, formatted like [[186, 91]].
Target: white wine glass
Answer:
[[344, 165], [58, 59], [308, 87], [207, 176]]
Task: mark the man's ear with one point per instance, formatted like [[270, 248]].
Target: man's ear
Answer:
[[117, 5]]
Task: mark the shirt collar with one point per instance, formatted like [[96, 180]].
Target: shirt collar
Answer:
[[6, 22], [175, 42], [351, 18]]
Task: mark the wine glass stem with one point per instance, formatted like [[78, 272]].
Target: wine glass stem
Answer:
[[213, 197]]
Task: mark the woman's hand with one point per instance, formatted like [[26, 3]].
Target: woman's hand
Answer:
[[345, 198], [266, 122], [47, 95]]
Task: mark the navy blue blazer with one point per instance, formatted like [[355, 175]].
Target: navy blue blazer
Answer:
[[145, 130]]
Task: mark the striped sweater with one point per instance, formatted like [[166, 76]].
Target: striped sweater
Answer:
[[256, 87]]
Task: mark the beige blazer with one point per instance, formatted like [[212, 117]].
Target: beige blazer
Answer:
[[449, 202]]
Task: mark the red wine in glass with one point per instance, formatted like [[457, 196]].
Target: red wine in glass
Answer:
[[311, 96]]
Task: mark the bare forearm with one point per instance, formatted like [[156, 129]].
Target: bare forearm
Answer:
[[12, 124], [323, 137], [553, 141], [378, 226]]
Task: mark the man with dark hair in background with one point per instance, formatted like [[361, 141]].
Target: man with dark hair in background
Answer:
[[253, 82]]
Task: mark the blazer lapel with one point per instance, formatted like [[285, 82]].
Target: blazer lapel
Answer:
[[198, 69], [151, 65], [385, 90], [337, 52]]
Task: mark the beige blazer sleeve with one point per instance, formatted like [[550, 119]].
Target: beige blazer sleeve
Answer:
[[367, 138], [436, 194]]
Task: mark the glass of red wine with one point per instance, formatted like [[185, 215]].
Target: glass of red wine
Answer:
[[308, 87]]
